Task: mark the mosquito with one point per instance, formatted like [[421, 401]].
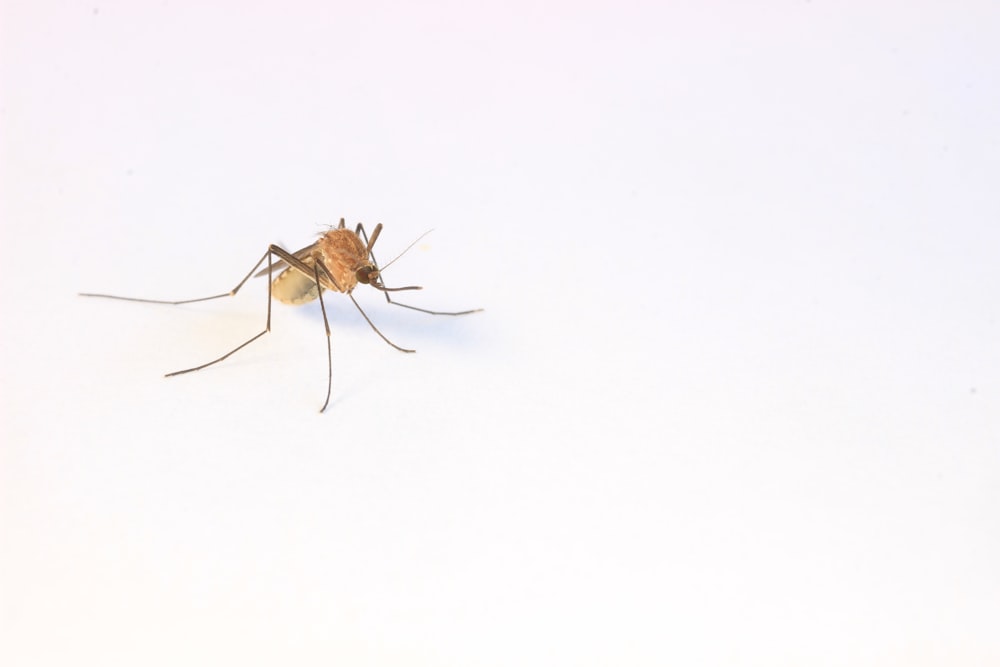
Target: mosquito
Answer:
[[339, 261]]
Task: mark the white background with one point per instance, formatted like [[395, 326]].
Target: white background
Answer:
[[734, 399]]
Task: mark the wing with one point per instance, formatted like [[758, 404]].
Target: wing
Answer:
[[303, 254]]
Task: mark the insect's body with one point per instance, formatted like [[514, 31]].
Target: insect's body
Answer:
[[341, 251], [338, 261]]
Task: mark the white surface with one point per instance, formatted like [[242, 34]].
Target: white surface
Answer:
[[734, 399]]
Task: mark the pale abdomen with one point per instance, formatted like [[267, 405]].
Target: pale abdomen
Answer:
[[294, 288]]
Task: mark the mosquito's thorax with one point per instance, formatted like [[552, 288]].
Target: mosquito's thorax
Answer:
[[345, 255]]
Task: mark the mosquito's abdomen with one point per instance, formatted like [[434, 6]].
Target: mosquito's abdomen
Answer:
[[293, 288]]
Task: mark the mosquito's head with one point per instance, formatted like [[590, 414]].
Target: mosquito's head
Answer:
[[367, 274]]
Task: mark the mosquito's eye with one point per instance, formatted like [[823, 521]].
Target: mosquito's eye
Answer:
[[366, 275]]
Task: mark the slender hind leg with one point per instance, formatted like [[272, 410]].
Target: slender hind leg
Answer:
[[267, 326], [231, 292]]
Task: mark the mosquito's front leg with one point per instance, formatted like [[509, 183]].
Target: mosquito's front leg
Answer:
[[321, 266], [385, 290], [430, 312]]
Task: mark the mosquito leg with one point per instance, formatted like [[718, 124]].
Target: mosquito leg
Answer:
[[361, 231], [222, 358], [432, 312], [329, 352], [267, 325], [314, 272], [364, 235], [231, 292], [326, 272], [370, 242]]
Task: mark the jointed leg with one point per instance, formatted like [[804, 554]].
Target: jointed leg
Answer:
[[326, 272], [267, 325], [329, 352], [361, 231], [293, 262], [231, 292], [431, 312]]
